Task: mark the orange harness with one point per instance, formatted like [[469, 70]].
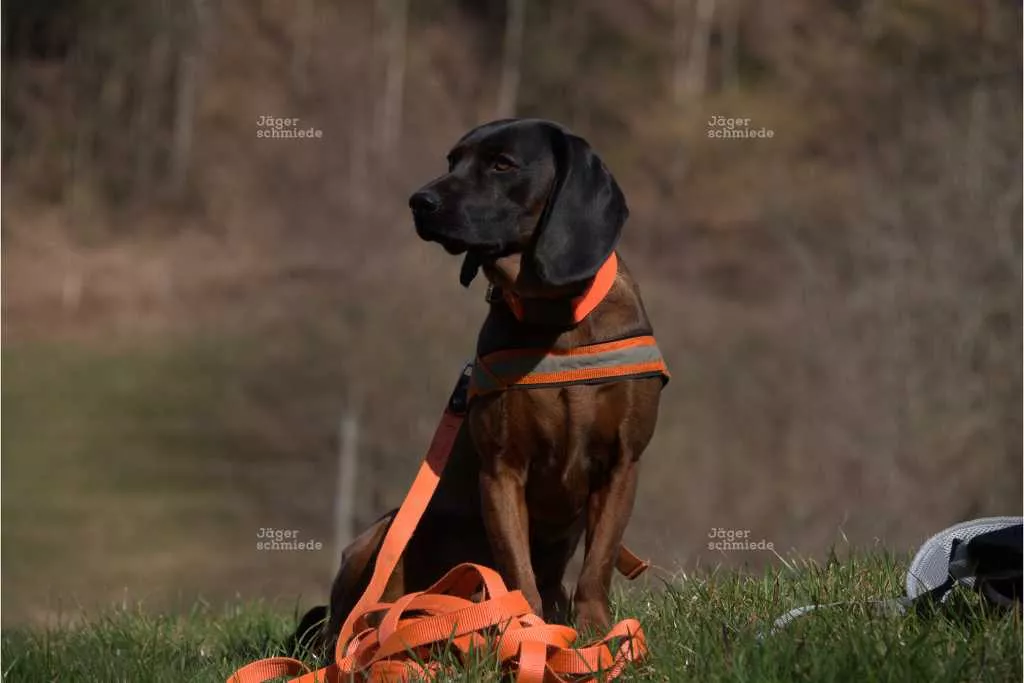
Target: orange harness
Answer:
[[470, 609], [502, 370], [634, 357]]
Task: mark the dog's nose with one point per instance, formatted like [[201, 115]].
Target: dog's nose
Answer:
[[425, 202]]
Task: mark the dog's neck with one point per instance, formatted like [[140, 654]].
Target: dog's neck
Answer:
[[532, 302]]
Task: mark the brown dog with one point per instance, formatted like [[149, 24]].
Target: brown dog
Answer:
[[532, 469]]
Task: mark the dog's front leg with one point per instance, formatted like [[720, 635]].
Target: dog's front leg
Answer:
[[503, 497], [608, 512]]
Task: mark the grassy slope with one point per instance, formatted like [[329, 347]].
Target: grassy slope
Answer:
[[702, 629], [122, 493]]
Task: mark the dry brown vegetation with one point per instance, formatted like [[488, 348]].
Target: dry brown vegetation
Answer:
[[840, 304]]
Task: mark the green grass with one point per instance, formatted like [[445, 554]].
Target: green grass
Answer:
[[701, 628]]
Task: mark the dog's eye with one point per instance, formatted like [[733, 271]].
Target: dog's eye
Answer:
[[503, 163]]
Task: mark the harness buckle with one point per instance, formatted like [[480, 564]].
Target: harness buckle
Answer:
[[459, 400]]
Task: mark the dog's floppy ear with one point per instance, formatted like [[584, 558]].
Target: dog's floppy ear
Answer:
[[584, 216]]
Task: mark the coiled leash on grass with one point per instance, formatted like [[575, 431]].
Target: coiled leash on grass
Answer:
[[390, 642]]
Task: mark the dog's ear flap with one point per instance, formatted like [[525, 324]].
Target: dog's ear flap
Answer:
[[584, 216]]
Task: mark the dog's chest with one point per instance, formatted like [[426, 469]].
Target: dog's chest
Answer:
[[560, 441]]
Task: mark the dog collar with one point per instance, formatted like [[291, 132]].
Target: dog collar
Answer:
[[560, 311]]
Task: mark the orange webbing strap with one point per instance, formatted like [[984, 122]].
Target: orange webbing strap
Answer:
[[401, 646], [629, 565], [396, 649], [405, 521], [584, 304]]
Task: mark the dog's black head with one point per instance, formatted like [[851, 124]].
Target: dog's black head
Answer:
[[524, 186]]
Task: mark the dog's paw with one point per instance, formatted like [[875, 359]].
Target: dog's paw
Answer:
[[308, 639]]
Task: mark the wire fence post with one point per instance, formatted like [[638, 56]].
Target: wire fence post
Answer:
[[344, 499]]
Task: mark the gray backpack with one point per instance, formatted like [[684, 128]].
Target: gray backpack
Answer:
[[984, 555]]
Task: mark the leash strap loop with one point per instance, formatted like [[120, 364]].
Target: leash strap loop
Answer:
[[401, 647]]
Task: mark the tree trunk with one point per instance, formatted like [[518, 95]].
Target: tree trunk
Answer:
[[700, 41], [576, 24], [394, 79], [730, 45], [511, 64], [345, 495], [85, 116], [302, 44], [150, 124], [191, 55], [679, 23], [364, 121]]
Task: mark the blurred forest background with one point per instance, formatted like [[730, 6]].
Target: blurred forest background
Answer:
[[190, 310]]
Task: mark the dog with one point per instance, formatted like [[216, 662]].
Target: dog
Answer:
[[533, 469]]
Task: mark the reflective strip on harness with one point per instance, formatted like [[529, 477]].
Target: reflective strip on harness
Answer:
[[635, 357]]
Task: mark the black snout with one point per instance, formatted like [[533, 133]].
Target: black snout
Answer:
[[425, 202]]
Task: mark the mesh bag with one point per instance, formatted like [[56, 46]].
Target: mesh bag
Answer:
[[981, 554]]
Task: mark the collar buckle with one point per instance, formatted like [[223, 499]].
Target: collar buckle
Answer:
[[493, 294]]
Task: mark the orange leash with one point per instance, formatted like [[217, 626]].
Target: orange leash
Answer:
[[395, 642]]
